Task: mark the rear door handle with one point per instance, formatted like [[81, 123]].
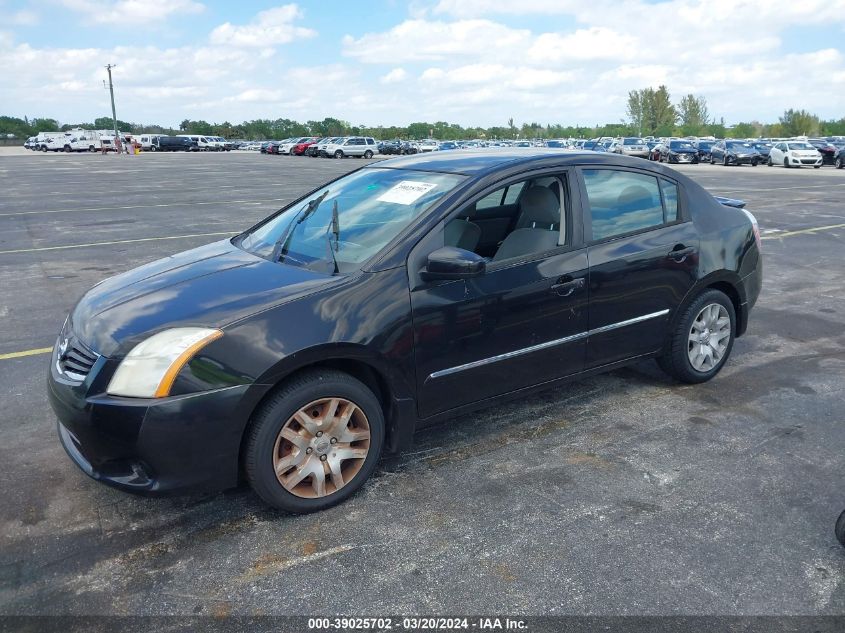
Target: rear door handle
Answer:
[[568, 287], [680, 254]]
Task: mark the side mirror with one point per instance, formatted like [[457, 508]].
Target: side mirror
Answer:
[[451, 262]]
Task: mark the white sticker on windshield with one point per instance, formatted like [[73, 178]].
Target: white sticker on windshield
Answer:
[[406, 192]]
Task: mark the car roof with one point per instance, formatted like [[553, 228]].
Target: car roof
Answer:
[[479, 162]]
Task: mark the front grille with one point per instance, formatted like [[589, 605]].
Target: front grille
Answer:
[[74, 359], [808, 161]]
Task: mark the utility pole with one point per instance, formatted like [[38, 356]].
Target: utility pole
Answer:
[[111, 92]]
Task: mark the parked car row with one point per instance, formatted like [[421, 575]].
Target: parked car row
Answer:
[[331, 147]]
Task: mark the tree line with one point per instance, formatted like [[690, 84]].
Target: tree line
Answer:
[[650, 111]]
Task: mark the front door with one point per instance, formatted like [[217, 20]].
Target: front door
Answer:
[[521, 323]]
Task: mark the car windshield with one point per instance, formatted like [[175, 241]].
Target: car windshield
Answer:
[[738, 145], [634, 141], [680, 145], [373, 206], [801, 146], [704, 145]]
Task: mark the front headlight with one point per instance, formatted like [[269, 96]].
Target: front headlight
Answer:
[[148, 371]]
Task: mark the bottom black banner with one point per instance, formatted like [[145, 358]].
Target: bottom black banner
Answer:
[[426, 624]]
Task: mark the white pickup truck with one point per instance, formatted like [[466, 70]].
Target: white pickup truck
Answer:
[[73, 143]]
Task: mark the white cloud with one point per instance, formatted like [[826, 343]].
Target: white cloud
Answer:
[[24, 18], [131, 12], [422, 40], [394, 76], [269, 28]]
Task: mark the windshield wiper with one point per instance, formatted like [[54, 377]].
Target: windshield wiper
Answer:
[[334, 227], [280, 248]]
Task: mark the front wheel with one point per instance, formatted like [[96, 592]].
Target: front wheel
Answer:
[[838, 163], [314, 442], [725, 160], [338, 154], [712, 161], [368, 154], [702, 340], [786, 163], [769, 162]]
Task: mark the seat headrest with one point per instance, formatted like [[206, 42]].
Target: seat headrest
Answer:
[[539, 206], [635, 197]]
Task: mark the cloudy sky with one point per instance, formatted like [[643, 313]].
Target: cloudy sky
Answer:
[[391, 62]]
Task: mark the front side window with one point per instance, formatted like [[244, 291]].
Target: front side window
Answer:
[[534, 222], [349, 220], [622, 202]]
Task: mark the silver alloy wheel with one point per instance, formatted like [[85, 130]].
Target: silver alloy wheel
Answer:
[[709, 337], [322, 447]]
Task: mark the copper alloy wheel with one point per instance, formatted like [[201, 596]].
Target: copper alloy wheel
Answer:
[[321, 448]]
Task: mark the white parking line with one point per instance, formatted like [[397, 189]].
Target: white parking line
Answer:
[[140, 239], [144, 206], [811, 230], [783, 188]]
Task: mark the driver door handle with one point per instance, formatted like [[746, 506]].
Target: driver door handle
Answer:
[[566, 288]]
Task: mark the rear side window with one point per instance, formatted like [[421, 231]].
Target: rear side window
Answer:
[[670, 199], [622, 202]]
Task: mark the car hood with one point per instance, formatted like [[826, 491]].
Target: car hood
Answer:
[[210, 286]]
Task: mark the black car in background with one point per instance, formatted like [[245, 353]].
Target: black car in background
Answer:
[[408, 292], [703, 148], [678, 151], [163, 143], [390, 147], [764, 148], [839, 159], [826, 149], [734, 153]]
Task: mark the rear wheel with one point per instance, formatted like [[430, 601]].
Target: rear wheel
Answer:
[[314, 442], [840, 529], [702, 340]]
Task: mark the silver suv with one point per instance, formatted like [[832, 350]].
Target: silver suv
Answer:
[[353, 146], [631, 146]]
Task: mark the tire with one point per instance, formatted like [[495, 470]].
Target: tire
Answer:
[[725, 160], [838, 163], [153, 148], [712, 160], [338, 154], [786, 162], [368, 154], [676, 360], [816, 166], [266, 449], [839, 530], [754, 163], [43, 148], [769, 162]]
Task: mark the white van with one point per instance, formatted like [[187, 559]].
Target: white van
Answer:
[[203, 142], [147, 142]]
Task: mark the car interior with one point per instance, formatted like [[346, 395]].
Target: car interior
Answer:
[[517, 220]]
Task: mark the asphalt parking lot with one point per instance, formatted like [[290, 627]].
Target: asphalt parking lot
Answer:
[[620, 494]]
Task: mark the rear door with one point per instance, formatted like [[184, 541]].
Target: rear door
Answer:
[[643, 258]]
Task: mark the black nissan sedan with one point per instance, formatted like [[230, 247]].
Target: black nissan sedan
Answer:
[[410, 291]]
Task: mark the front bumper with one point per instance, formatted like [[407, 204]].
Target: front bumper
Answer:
[[152, 445]]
